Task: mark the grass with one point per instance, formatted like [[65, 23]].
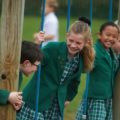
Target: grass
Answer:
[[32, 25]]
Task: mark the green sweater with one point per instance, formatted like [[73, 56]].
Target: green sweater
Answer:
[[4, 94], [102, 76], [52, 66]]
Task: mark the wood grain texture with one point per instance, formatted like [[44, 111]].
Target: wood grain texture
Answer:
[[116, 98], [10, 47]]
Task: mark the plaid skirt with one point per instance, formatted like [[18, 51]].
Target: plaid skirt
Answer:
[[53, 113], [96, 110]]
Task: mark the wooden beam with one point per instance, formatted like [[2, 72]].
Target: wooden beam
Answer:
[[10, 47], [116, 96]]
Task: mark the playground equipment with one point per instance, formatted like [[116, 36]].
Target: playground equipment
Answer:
[[116, 97], [10, 47], [39, 67]]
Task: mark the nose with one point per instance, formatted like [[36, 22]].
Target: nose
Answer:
[[112, 40], [73, 45]]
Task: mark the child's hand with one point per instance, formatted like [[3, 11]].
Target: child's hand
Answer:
[[15, 97], [39, 37], [66, 103], [17, 106]]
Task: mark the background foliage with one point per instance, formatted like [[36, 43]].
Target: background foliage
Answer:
[[78, 7]]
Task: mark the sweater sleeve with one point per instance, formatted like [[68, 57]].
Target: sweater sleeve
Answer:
[[4, 94]]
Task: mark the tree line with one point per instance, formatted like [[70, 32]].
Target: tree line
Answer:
[[78, 8]]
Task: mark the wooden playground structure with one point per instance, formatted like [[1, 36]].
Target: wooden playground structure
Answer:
[[10, 47]]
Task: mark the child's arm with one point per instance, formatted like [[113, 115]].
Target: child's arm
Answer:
[[4, 94], [14, 98]]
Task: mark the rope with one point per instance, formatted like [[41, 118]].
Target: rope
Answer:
[[110, 10], [43, 15], [39, 67], [85, 96], [91, 11], [68, 15]]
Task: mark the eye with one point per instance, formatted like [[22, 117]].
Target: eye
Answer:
[[70, 40], [79, 43], [114, 37], [107, 34]]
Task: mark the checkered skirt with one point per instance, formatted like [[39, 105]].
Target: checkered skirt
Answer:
[[53, 113], [96, 110]]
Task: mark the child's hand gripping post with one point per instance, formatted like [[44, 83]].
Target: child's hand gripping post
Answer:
[[15, 99]]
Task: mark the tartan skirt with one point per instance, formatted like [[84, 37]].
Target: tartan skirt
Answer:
[[96, 110], [53, 113]]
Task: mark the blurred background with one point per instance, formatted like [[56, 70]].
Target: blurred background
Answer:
[[32, 22], [78, 8]]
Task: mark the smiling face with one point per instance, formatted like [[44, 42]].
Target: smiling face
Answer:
[[108, 36], [75, 43]]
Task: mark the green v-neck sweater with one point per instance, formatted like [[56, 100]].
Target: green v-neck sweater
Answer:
[[102, 76]]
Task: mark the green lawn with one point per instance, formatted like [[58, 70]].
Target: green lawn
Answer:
[[32, 25]]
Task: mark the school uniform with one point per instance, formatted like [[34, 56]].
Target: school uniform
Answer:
[[4, 94], [100, 90], [60, 78]]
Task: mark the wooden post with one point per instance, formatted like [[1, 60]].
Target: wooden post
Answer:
[[10, 47], [119, 14], [116, 98]]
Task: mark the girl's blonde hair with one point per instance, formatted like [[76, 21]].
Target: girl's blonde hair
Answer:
[[88, 54]]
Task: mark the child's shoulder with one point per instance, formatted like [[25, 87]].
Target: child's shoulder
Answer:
[[55, 45]]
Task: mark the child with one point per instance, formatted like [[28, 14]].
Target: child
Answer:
[[61, 69], [30, 58], [51, 24], [100, 90]]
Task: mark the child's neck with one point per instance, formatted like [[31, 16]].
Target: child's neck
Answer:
[[70, 57]]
